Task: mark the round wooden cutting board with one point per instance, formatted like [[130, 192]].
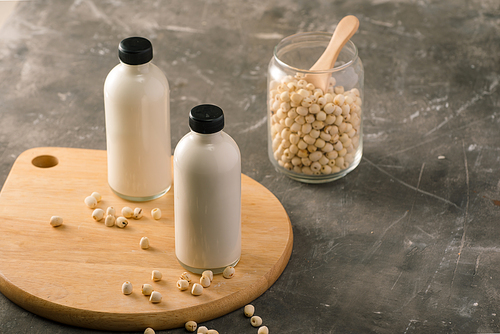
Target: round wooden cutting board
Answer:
[[73, 273]]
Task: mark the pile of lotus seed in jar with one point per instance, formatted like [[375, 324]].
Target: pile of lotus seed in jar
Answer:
[[313, 132]]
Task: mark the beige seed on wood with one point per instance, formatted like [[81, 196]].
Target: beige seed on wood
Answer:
[[182, 284], [91, 202], [197, 289], [155, 297], [147, 289], [137, 213], [56, 221], [205, 281], [156, 275], [186, 276], [109, 221], [97, 196], [228, 272], [156, 213], [127, 288], [144, 243], [127, 212], [98, 214]]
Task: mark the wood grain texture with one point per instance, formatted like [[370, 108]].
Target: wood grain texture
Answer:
[[73, 273]]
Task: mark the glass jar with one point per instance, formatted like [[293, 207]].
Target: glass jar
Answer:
[[314, 136]]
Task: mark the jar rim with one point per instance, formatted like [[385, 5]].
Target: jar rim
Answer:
[[313, 33]]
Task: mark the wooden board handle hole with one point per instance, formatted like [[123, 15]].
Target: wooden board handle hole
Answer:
[[45, 161]]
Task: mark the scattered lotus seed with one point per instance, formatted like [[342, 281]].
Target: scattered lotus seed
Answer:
[[127, 212], [127, 288], [156, 213], [249, 310], [144, 243], [91, 202], [205, 281], [109, 221], [110, 211], [149, 330], [156, 275], [182, 284], [121, 222], [191, 326], [155, 297], [185, 275], [97, 196], [212, 331], [197, 289], [228, 272], [256, 321], [98, 214], [137, 213], [263, 330], [147, 289], [209, 274], [202, 330], [56, 221]]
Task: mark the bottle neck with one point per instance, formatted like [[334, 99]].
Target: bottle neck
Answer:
[[208, 137], [137, 69]]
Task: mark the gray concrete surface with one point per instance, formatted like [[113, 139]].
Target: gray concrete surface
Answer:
[[407, 243]]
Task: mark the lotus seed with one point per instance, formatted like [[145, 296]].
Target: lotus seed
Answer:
[[98, 214], [155, 297], [137, 213], [197, 289], [109, 221], [121, 222], [147, 289], [202, 330], [212, 331], [149, 330], [156, 275], [56, 221], [228, 272], [249, 310], [191, 326], [186, 276], [156, 213], [209, 274], [127, 212], [91, 202], [97, 196], [182, 284], [127, 288], [256, 321], [110, 211], [144, 243], [263, 330], [205, 281]]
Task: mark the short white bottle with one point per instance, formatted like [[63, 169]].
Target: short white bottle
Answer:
[[137, 109], [207, 194]]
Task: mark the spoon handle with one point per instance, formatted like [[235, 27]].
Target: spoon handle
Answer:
[[344, 31]]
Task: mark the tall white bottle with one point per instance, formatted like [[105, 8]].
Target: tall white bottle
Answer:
[[207, 194], [137, 109]]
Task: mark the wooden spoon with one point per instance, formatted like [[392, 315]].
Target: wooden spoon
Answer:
[[344, 31]]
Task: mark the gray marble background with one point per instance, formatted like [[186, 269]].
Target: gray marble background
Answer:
[[406, 243]]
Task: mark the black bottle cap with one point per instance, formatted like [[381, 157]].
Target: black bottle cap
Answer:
[[206, 119], [135, 51]]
